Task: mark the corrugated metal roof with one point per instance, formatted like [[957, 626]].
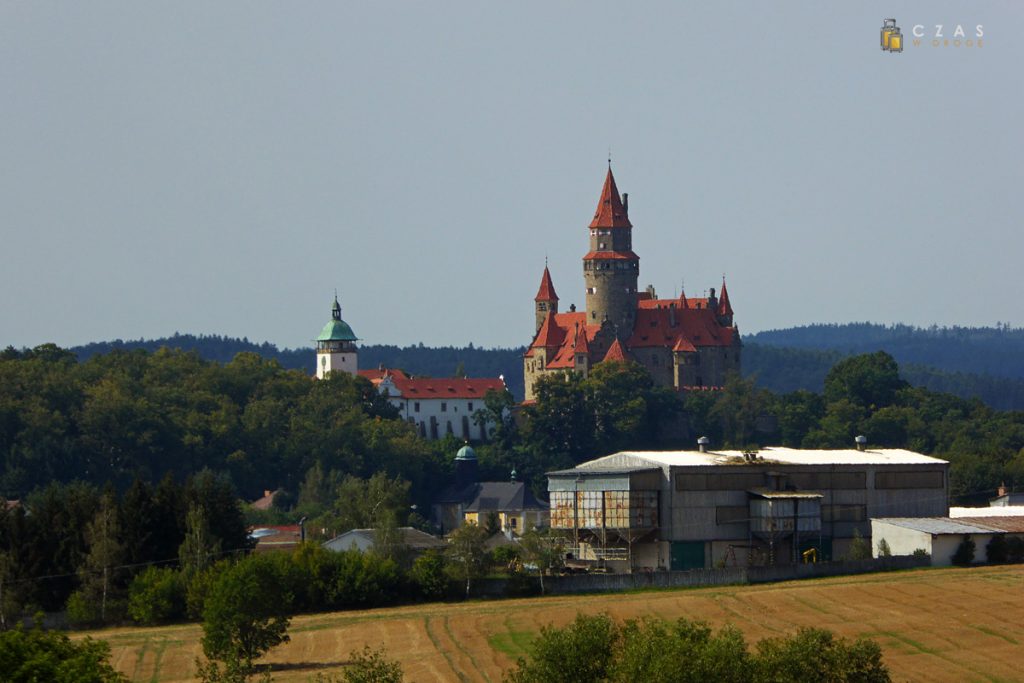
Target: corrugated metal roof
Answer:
[[785, 456], [1013, 525], [938, 525], [603, 471]]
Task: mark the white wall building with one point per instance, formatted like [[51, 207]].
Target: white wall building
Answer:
[[438, 407]]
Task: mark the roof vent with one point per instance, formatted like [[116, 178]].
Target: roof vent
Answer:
[[861, 441], [702, 444]]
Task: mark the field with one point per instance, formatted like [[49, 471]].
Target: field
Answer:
[[933, 624]]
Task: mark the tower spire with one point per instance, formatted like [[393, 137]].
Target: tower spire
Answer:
[[610, 211]]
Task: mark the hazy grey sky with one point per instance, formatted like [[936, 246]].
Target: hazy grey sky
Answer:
[[222, 167]]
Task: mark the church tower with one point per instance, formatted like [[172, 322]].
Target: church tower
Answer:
[[610, 268], [336, 346], [546, 300]]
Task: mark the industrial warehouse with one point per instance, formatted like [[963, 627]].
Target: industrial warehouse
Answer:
[[677, 510]]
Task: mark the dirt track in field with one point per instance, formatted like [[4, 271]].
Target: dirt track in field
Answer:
[[933, 625]]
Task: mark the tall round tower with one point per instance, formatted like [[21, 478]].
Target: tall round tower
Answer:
[[336, 346], [610, 268]]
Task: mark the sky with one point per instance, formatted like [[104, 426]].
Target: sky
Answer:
[[223, 168]]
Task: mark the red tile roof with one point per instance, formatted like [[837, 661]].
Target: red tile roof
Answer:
[[724, 307], [380, 373], [623, 255], [547, 288], [426, 387], [694, 326], [615, 352], [610, 211]]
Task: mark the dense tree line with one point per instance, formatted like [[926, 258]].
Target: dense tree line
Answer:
[[980, 363]]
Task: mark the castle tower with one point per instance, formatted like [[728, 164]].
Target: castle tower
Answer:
[[546, 300], [336, 346], [610, 268]]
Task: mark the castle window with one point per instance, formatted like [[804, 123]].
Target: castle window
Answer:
[[444, 407], [591, 290], [470, 406], [542, 306], [416, 407], [601, 246]]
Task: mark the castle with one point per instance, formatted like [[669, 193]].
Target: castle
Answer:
[[685, 343]]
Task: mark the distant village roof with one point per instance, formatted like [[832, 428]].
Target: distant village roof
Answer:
[[280, 537], [266, 501], [364, 538], [502, 496], [937, 525]]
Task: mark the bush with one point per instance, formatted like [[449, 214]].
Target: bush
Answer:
[[859, 548], [1015, 549], [156, 595], [964, 555], [81, 610], [920, 552], [997, 551], [883, 548], [594, 648], [429, 577], [37, 655], [365, 580]]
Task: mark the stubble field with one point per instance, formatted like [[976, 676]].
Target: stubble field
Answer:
[[933, 625]]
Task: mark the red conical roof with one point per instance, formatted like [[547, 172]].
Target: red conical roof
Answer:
[[547, 288], [610, 211], [724, 307], [615, 352], [582, 346]]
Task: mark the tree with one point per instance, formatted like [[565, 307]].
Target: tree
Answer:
[[200, 548], [883, 548], [964, 555], [997, 551], [97, 591], [870, 380], [582, 651], [365, 503], [247, 613], [817, 655], [466, 553], [683, 651], [156, 595], [30, 656], [859, 548], [428, 574], [372, 666], [543, 550]]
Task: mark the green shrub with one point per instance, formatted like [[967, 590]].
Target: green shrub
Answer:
[[997, 550], [429, 577], [156, 595], [964, 555], [35, 656]]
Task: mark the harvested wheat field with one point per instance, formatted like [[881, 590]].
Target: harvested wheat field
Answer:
[[933, 625]]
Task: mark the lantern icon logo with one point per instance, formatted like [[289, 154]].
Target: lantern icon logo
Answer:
[[892, 39]]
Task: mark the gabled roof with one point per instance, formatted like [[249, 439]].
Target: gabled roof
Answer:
[[615, 352], [502, 496], [610, 211], [547, 288], [550, 334], [581, 341], [414, 538]]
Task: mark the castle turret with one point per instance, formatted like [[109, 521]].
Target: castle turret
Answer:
[[546, 300], [610, 268], [336, 346]]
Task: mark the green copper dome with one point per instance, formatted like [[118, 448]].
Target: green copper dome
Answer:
[[337, 329], [466, 453]]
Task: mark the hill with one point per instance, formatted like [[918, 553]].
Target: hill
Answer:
[[995, 351], [933, 625]]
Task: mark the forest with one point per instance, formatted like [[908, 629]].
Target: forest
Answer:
[[983, 363]]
